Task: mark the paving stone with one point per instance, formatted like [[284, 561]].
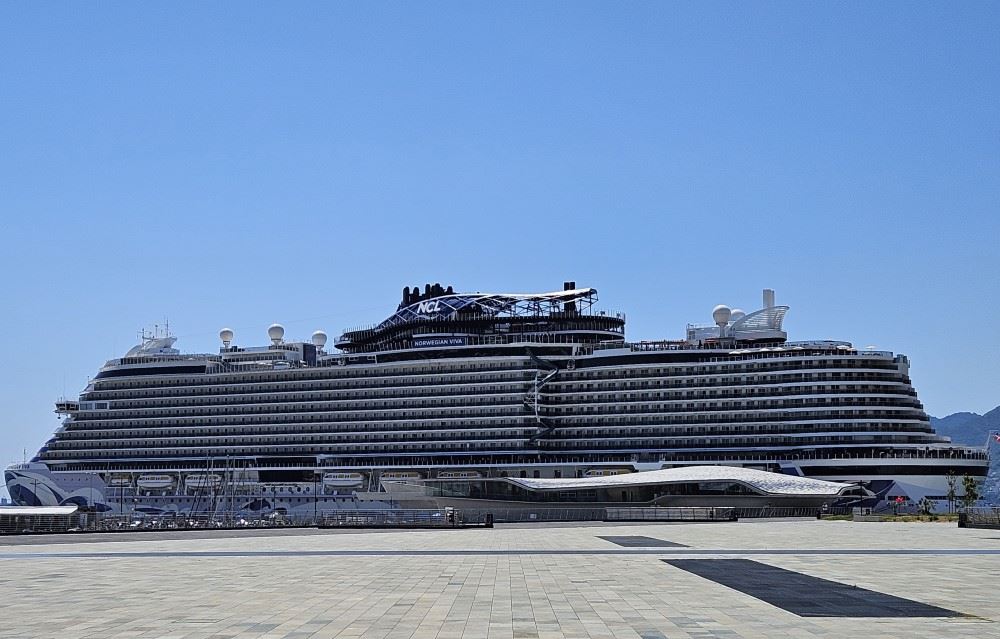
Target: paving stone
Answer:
[[542, 581]]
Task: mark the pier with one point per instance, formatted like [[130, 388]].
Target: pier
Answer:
[[752, 578]]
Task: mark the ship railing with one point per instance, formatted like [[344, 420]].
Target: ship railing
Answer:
[[365, 330], [159, 359], [555, 337], [752, 352]]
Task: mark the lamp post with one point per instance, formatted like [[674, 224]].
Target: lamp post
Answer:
[[315, 502]]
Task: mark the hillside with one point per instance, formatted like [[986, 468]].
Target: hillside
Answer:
[[968, 428], [974, 429]]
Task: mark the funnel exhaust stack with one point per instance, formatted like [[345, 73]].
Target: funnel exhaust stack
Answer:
[[768, 298]]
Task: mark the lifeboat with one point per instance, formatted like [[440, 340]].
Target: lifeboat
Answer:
[[343, 479], [119, 481], [606, 472], [155, 482], [460, 474], [202, 481], [399, 475]]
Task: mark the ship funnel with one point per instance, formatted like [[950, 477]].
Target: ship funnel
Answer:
[[768, 298]]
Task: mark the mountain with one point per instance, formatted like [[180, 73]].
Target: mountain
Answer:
[[974, 429], [968, 428]]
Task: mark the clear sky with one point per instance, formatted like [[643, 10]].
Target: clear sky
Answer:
[[236, 165]]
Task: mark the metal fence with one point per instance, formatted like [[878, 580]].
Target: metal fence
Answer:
[[669, 514], [520, 515], [447, 518], [781, 512], [979, 518], [443, 518], [24, 524], [193, 521]]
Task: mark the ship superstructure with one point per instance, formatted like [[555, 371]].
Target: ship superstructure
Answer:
[[460, 386]]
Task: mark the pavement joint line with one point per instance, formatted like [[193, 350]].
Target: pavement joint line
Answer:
[[508, 552]]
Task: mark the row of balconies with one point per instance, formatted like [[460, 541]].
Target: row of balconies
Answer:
[[433, 386], [738, 392], [649, 445], [154, 439], [473, 426], [487, 404], [206, 387], [549, 405], [437, 396], [735, 436], [349, 373], [657, 418], [456, 390], [260, 382]]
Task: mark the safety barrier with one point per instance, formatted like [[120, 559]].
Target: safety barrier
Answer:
[[447, 518], [670, 514], [24, 524], [979, 518]]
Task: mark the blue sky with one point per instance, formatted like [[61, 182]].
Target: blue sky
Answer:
[[243, 164]]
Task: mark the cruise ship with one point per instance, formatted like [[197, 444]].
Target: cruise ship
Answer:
[[456, 389]]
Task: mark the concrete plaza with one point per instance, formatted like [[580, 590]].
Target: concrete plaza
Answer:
[[511, 581]]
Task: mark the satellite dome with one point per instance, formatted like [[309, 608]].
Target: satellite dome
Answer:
[[721, 314], [226, 335], [276, 332], [737, 315], [319, 339]]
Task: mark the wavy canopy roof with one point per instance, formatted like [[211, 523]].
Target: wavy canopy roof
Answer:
[[761, 480], [764, 319], [513, 304]]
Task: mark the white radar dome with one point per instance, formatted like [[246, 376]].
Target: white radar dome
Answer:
[[319, 339], [737, 315], [226, 335], [276, 332], [721, 314]]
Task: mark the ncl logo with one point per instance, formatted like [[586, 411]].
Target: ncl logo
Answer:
[[426, 308]]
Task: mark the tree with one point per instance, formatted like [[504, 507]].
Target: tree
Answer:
[[925, 506], [952, 483], [971, 488]]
